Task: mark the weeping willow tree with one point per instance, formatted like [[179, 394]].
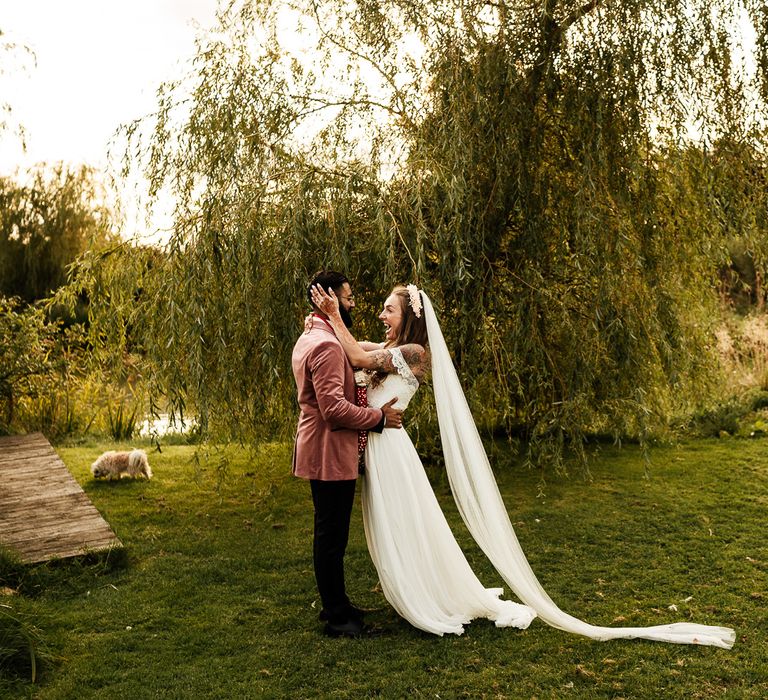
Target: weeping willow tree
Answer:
[[550, 172]]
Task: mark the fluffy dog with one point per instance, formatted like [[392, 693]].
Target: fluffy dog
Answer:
[[112, 465]]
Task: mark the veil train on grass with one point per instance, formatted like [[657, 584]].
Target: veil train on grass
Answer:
[[482, 509]]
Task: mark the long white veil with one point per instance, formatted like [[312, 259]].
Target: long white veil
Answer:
[[482, 508]]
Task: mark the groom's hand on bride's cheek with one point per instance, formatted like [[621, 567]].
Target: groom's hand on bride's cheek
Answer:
[[393, 417]]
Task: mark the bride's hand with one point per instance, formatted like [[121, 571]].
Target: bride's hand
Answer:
[[327, 302]]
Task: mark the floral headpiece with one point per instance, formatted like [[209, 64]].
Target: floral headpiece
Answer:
[[415, 299]]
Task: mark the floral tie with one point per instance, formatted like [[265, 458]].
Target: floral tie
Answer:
[[361, 399]]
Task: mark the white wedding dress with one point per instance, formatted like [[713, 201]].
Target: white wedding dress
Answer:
[[423, 572]]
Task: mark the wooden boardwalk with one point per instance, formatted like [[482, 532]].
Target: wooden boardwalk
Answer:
[[44, 514]]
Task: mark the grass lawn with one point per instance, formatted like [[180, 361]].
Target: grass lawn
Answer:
[[214, 596]]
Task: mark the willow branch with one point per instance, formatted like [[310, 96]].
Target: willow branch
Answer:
[[553, 31], [363, 57], [352, 101], [577, 14]]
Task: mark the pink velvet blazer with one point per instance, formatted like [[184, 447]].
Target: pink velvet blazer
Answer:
[[326, 438]]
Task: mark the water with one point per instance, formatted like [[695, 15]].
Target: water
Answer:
[[162, 425]]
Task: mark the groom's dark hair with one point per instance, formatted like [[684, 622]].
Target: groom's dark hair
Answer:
[[326, 278]]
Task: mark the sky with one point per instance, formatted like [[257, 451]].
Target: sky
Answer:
[[97, 64]]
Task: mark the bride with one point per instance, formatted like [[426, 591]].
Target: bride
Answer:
[[423, 573]]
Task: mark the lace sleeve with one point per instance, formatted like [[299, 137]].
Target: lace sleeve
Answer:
[[402, 367]]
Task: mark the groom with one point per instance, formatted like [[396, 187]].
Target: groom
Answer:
[[326, 450]]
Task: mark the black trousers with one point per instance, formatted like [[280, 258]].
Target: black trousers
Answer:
[[333, 502]]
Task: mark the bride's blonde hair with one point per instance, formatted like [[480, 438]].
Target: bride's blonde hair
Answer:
[[413, 329]]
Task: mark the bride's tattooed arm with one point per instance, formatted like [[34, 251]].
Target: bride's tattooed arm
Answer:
[[414, 355]]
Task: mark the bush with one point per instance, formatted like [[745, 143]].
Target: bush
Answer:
[[744, 415], [725, 417]]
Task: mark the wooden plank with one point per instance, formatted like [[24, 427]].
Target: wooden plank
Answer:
[[12, 463], [57, 521], [53, 490], [53, 534], [75, 519], [20, 485], [25, 440], [67, 550], [44, 513], [30, 484], [35, 439]]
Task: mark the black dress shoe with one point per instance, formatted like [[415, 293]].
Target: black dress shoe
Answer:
[[350, 628], [350, 611]]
